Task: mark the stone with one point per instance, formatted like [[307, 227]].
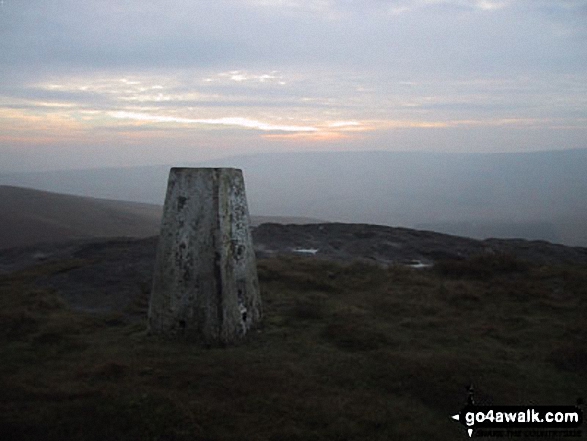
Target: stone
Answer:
[[205, 285]]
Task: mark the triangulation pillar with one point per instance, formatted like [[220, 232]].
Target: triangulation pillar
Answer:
[[205, 285]]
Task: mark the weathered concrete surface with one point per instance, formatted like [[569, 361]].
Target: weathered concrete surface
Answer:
[[205, 285]]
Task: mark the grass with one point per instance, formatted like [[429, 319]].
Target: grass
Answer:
[[345, 352]]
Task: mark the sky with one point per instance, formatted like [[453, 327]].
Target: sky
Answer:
[[137, 82]]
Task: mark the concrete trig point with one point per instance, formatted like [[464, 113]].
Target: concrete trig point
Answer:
[[205, 285]]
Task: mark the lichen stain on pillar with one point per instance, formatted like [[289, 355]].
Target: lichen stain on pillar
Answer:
[[205, 285]]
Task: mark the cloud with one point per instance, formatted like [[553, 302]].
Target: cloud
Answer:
[[292, 69], [487, 5], [405, 36], [242, 76], [228, 121], [339, 124]]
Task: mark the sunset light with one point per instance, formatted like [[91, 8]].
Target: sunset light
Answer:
[[509, 76]]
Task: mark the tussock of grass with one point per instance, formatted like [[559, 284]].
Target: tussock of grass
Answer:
[[347, 352], [482, 266]]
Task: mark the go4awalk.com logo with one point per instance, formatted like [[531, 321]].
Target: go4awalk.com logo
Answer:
[[518, 421]]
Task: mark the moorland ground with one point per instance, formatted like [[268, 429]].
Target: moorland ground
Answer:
[[346, 351]]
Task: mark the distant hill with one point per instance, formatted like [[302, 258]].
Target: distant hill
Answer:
[[539, 195], [29, 217]]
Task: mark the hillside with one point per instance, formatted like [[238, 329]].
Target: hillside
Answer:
[[31, 216]]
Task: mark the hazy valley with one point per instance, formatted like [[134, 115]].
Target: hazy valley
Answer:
[[539, 195]]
